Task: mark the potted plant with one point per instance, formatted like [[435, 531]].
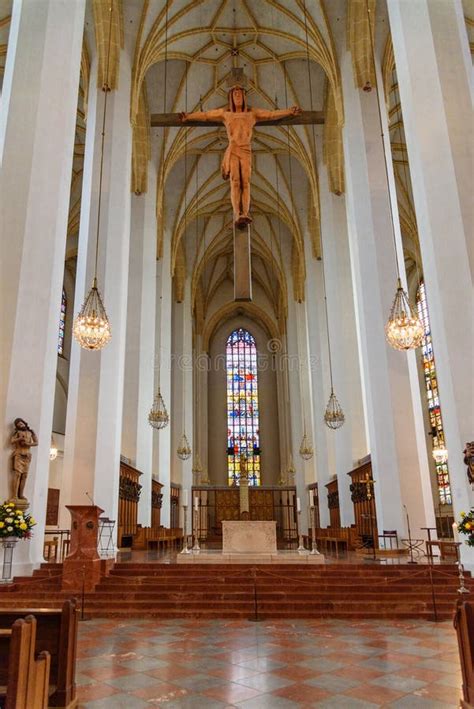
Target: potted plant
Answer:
[[15, 524]]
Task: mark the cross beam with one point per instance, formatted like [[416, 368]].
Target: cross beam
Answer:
[[172, 120]]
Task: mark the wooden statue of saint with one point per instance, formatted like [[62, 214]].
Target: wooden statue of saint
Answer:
[[22, 440], [239, 120]]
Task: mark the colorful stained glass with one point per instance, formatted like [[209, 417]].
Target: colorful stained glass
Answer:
[[431, 383], [243, 435], [62, 323]]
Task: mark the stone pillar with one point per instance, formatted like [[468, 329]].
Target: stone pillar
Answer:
[[324, 453], [200, 404], [295, 404], [432, 35], [350, 443], [162, 439], [398, 455], [137, 434], [96, 379], [37, 124]]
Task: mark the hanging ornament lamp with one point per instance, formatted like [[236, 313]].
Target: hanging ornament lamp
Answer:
[[53, 451], [306, 449], [334, 416], [291, 472], [184, 449], [158, 417], [440, 453], [403, 330], [91, 326]]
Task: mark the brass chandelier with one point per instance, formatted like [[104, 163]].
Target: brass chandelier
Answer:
[[184, 449], [306, 449], [91, 326], [158, 417]]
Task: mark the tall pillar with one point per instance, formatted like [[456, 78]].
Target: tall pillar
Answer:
[[399, 460], [137, 434], [295, 379], [96, 379], [37, 124], [162, 439], [432, 35], [350, 443], [317, 335], [200, 403]]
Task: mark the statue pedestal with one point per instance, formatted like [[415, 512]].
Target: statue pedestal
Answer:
[[83, 565]]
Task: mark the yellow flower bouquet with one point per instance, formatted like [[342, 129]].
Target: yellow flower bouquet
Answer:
[[14, 522], [466, 526]]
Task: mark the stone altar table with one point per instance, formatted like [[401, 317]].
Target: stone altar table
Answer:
[[249, 537]]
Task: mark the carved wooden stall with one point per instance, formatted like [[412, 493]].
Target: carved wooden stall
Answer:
[[156, 501], [333, 504], [174, 505], [362, 495], [129, 494]]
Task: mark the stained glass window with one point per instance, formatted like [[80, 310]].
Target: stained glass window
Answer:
[[62, 323], [431, 383], [243, 435]]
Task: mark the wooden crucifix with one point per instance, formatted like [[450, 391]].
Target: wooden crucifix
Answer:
[[239, 120]]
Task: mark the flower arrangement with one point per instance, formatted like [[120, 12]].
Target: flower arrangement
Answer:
[[14, 522], [466, 526]]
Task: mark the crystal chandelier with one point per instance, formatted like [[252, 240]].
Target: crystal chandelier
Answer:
[[333, 416], [158, 417], [291, 472], [91, 326], [184, 449], [403, 330], [53, 451], [440, 453], [306, 449]]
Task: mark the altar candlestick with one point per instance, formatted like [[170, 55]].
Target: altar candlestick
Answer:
[[185, 498], [298, 504]]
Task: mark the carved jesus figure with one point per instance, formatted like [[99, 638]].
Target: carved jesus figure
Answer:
[[239, 121]]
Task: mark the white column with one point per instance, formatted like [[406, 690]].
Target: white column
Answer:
[[296, 421], [398, 458], [200, 403], [96, 379], [137, 434], [163, 374], [350, 441], [317, 334], [37, 123], [437, 116]]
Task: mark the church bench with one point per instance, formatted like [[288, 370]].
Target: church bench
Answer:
[[332, 544], [448, 550], [464, 625], [26, 677], [56, 632]]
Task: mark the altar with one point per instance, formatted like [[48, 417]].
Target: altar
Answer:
[[249, 537]]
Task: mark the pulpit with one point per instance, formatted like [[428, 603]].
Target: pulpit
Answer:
[[82, 567]]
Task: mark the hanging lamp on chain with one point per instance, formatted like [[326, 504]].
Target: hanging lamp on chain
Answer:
[[334, 416], [306, 449], [91, 326], [158, 417], [403, 329], [184, 449], [440, 452]]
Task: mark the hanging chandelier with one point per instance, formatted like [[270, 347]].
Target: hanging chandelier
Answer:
[[53, 451], [91, 326], [403, 330], [291, 472], [158, 417], [334, 416], [184, 449], [306, 449], [440, 453]]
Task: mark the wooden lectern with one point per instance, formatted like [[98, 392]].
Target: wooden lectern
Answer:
[[82, 567]]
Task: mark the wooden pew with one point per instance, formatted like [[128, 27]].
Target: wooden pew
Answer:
[[149, 537], [27, 679], [56, 633], [464, 625]]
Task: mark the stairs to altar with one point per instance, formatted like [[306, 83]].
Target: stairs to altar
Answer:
[[223, 591]]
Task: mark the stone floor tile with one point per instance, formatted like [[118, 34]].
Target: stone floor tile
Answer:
[[302, 693], [135, 680], [267, 701], [334, 683], [395, 681], [374, 693], [231, 693], [266, 681], [411, 701], [347, 703]]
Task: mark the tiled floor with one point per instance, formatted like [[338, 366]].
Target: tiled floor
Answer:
[[267, 665]]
